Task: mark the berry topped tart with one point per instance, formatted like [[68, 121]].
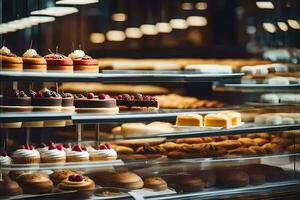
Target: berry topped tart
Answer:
[[91, 103], [83, 62], [33, 61], [77, 182], [10, 61], [46, 100], [58, 62], [137, 102], [16, 101]]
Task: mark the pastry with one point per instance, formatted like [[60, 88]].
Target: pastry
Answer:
[[260, 141], [54, 154], [235, 117], [228, 144], [272, 173], [282, 141], [155, 183], [16, 101], [32, 61], [259, 150], [189, 183], [189, 140], [294, 148], [46, 100], [67, 102], [137, 102], [217, 120], [189, 120], [9, 187], [9, 61], [95, 104], [242, 151], [169, 146], [232, 178], [83, 62], [35, 183], [61, 174], [127, 179], [26, 154], [78, 154], [42, 147], [123, 149], [146, 149], [14, 175], [247, 142], [5, 159], [208, 177], [77, 182], [103, 152], [58, 62], [256, 175], [135, 143], [272, 148]]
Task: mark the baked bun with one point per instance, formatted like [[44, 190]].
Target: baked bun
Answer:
[[9, 187], [155, 183], [77, 182], [35, 183]]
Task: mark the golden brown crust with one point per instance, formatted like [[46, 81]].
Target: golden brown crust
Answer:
[[272, 148], [123, 149], [189, 140], [86, 68], [228, 144], [260, 141], [35, 183], [155, 183], [63, 68], [247, 142], [39, 68], [59, 175], [10, 59], [12, 66], [85, 184], [34, 61], [242, 151], [9, 187]]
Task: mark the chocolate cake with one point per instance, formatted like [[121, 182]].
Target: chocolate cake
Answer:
[[16, 101], [67, 102], [46, 100], [137, 102]]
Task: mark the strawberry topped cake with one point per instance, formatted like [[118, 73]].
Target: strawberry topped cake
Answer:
[[26, 154], [54, 154], [10, 61], [103, 152], [83, 62], [58, 62], [33, 61], [78, 154], [90, 103]]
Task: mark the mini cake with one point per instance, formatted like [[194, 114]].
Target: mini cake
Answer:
[[67, 147], [9, 187], [35, 183], [83, 62], [77, 182], [67, 102], [58, 62], [47, 100], [16, 101], [95, 104], [137, 102], [189, 120], [26, 155], [155, 183], [5, 159], [103, 152], [236, 117], [9, 61], [32, 61], [54, 154], [78, 154], [217, 120]]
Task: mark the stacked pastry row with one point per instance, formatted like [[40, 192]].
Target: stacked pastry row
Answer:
[[76, 61], [284, 98], [58, 154], [277, 119], [218, 146]]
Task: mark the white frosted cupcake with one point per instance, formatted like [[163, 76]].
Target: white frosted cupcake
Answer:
[[78, 154], [103, 152], [67, 147], [5, 159], [54, 154], [26, 155], [41, 148]]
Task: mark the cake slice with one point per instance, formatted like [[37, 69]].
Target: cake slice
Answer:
[[189, 120], [217, 120]]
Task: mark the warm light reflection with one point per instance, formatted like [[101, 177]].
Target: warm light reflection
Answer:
[[196, 21], [294, 24], [133, 32], [201, 6], [269, 27], [97, 38], [178, 24], [163, 27], [55, 11], [187, 6], [265, 4], [76, 2], [115, 35], [119, 17], [148, 29], [283, 26]]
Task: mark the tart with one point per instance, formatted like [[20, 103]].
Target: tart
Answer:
[[54, 154], [103, 152], [47, 100], [35, 183], [90, 103], [59, 63], [5, 159], [77, 182], [10, 61], [137, 102], [26, 154], [32, 61], [83, 62], [9, 187], [78, 154]]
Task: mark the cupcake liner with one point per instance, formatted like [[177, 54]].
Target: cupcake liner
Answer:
[[76, 159], [29, 160], [54, 160], [101, 158]]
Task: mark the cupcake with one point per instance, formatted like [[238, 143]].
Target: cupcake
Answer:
[[58, 62], [83, 62], [9, 61], [78, 154], [54, 154], [32, 61], [26, 154], [41, 148], [67, 147], [5, 159], [103, 152]]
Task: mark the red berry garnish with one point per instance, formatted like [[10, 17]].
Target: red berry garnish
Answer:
[[90, 95], [84, 148], [50, 142], [107, 96], [22, 147], [107, 146], [38, 94], [59, 147], [27, 146], [72, 178], [66, 145], [77, 148], [4, 154], [101, 147], [52, 146], [78, 178], [120, 97], [102, 96], [30, 147]]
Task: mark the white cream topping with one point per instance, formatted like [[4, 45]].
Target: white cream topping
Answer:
[[53, 153], [76, 54], [5, 50], [26, 153], [81, 154], [30, 53], [5, 160], [105, 152], [41, 150]]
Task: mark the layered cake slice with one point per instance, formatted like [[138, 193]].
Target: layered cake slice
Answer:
[[137, 102], [83, 62], [33, 61], [58, 62], [90, 103]]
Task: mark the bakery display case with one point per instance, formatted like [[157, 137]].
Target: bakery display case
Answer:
[[150, 101]]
